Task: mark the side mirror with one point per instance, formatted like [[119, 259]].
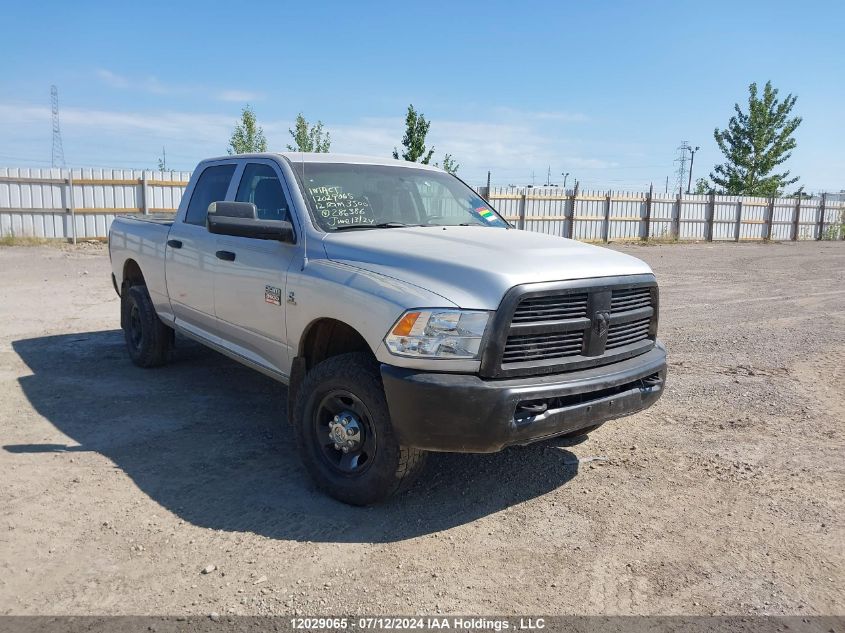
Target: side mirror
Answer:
[[240, 219]]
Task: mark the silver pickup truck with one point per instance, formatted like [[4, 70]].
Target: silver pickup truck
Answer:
[[402, 311]]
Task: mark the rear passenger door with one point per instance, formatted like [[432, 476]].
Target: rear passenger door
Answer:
[[249, 290], [190, 260]]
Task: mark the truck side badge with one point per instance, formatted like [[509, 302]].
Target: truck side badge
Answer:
[[273, 295], [291, 298]]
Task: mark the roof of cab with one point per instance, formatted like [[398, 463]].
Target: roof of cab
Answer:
[[315, 157]]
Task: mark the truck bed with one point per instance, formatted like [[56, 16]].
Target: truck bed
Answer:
[[143, 240], [156, 218]]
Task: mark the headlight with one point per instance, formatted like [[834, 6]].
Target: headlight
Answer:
[[438, 334]]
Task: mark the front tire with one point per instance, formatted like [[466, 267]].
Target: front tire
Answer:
[[345, 437], [148, 340]]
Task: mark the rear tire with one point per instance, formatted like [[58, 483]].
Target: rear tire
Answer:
[[148, 340], [341, 402]]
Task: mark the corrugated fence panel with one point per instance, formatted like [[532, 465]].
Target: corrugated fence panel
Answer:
[[753, 218], [37, 202], [588, 216], [162, 197], [809, 218], [693, 217], [725, 210], [662, 212], [545, 211], [506, 201], [626, 214], [834, 220], [783, 213]]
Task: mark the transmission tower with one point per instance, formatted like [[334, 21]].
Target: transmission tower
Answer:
[[681, 174], [58, 150]]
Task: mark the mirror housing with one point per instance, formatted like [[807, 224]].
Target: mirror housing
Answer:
[[240, 219]]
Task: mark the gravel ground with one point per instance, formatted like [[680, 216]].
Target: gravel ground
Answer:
[[177, 491]]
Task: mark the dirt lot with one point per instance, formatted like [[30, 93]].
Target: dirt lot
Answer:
[[119, 485]]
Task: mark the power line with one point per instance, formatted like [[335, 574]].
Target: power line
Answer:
[[58, 158]]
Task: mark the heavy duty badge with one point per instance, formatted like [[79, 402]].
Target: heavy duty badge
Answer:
[[273, 295]]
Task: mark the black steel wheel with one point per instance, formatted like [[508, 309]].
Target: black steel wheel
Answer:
[[344, 430], [148, 340], [344, 434], [135, 334]]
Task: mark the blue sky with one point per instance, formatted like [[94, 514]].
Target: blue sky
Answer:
[[603, 90]]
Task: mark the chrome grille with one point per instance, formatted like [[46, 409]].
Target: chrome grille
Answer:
[[521, 349]]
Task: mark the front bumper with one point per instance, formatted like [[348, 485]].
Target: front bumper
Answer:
[[465, 413]]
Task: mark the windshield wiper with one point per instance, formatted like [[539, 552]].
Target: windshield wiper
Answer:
[[380, 225], [459, 224]]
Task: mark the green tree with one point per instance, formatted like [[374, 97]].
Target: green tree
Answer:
[[248, 135], [416, 129], [755, 143], [309, 138], [702, 186], [449, 164]]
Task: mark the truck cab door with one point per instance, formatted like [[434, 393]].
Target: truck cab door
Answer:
[[249, 284], [190, 260]]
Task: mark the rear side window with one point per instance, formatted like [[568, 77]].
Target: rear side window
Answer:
[[211, 187], [260, 185]]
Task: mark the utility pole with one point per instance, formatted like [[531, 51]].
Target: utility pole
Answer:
[[691, 161], [549, 176], [565, 176], [58, 158]]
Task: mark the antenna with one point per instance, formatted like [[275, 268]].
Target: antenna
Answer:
[[304, 227], [58, 150]]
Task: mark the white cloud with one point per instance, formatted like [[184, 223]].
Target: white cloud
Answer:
[[509, 148], [113, 79], [150, 84], [153, 85], [242, 96], [548, 115], [589, 163]]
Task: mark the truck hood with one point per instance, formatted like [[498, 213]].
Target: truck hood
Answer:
[[474, 266]]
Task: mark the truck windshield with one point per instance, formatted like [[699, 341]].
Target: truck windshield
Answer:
[[346, 196]]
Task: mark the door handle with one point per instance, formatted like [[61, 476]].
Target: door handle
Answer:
[[174, 243], [226, 256]]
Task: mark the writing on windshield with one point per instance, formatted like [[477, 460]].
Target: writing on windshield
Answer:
[[339, 208], [384, 196]]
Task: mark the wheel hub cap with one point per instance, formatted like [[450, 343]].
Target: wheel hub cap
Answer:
[[345, 432]]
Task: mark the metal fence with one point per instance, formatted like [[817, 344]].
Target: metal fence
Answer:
[[81, 204], [605, 216]]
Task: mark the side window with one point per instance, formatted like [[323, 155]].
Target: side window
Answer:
[[211, 187], [260, 185]]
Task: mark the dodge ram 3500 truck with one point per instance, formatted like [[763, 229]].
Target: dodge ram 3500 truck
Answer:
[[402, 311]]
